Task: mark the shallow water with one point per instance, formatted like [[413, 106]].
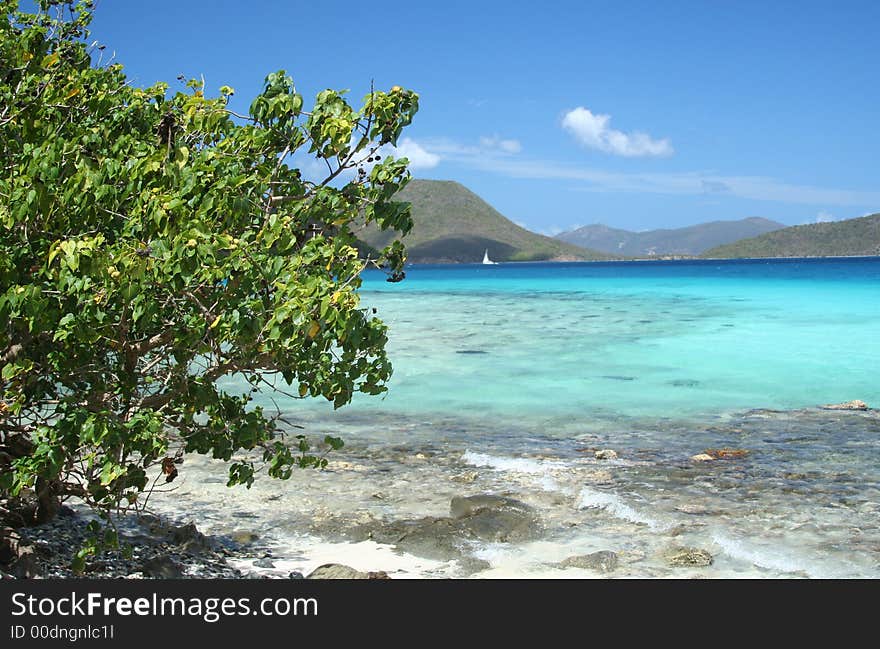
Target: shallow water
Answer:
[[509, 377]]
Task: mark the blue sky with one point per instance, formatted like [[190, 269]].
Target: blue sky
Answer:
[[634, 114]]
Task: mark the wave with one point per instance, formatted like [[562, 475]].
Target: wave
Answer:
[[514, 464], [542, 469], [771, 558], [617, 507]]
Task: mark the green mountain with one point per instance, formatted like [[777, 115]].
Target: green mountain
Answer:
[[691, 240], [454, 225], [852, 237]]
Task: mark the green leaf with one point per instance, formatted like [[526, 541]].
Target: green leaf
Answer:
[[156, 208]]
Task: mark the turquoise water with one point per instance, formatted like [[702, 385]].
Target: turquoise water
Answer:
[[514, 374], [650, 339]]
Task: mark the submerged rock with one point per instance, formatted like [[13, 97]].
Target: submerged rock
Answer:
[[606, 454], [684, 383], [603, 561], [681, 557], [432, 538], [494, 518], [483, 517], [462, 506], [340, 571], [600, 476], [725, 453], [856, 404], [242, 537]]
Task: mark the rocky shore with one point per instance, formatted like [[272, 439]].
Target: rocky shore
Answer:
[[560, 508], [151, 547]]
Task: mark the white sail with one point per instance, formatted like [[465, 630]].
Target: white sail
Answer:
[[486, 259]]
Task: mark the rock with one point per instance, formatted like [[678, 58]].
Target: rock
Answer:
[[379, 574], [631, 556], [432, 538], [484, 517], [264, 563], [162, 568], [243, 538], [295, 575], [603, 561], [495, 518], [189, 538], [10, 542], [688, 557], [606, 454], [467, 477], [26, 566], [462, 506], [702, 457], [856, 404], [339, 571], [17, 556], [601, 476], [471, 565], [501, 526], [681, 528], [725, 453]]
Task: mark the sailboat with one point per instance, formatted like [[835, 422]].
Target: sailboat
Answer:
[[486, 259]]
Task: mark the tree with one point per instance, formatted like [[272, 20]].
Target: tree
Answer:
[[151, 245]]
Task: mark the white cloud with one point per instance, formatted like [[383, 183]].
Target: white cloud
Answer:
[[497, 143], [419, 157], [595, 132], [488, 155], [824, 217], [685, 182], [488, 148]]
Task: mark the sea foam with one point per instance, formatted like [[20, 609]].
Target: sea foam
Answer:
[[617, 507], [769, 558], [541, 469]]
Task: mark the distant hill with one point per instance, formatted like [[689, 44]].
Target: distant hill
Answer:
[[454, 225], [852, 237], [691, 240]]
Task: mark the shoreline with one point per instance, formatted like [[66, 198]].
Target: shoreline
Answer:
[[584, 507]]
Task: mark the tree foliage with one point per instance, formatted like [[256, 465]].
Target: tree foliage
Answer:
[[152, 244]]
